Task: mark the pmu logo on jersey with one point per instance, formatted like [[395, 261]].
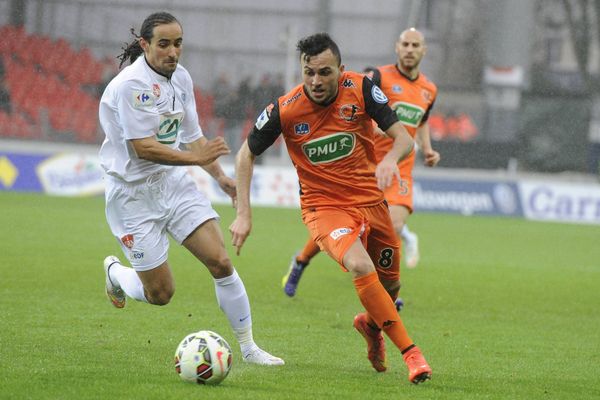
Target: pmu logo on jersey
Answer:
[[408, 114], [127, 240], [143, 98], [329, 148], [348, 83], [302, 128], [336, 234], [348, 112]]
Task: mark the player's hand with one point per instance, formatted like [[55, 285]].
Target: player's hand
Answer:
[[431, 157], [385, 172], [228, 186], [240, 230], [212, 150]]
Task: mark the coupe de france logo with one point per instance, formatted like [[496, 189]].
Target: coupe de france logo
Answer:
[[378, 95], [302, 128]]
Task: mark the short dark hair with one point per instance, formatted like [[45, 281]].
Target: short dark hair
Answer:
[[316, 44], [133, 50]]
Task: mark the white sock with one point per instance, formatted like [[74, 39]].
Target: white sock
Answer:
[[406, 234], [128, 280], [233, 300]]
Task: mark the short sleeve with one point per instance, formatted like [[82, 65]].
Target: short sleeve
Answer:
[[266, 130], [376, 105], [135, 105]]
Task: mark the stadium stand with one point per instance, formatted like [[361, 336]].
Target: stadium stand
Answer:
[[53, 89]]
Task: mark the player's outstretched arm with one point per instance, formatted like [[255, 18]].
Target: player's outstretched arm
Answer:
[[242, 225], [203, 151], [207, 151]]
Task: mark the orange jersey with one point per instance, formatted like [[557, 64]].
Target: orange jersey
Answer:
[[331, 147], [411, 100]]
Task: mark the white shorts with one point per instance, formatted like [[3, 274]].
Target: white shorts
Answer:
[[141, 213]]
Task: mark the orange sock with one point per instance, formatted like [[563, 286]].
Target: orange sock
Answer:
[[393, 295], [380, 308], [311, 249]]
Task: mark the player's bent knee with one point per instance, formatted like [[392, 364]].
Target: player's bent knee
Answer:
[[359, 269], [221, 267]]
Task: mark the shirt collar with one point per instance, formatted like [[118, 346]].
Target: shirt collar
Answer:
[[157, 75], [406, 76]]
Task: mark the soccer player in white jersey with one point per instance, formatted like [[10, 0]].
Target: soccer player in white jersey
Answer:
[[148, 112]]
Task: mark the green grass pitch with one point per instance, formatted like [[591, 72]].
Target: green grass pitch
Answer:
[[502, 308]]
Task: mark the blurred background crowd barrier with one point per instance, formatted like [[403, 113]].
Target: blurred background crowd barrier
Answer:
[[518, 79]]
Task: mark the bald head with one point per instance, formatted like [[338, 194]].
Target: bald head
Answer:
[[410, 49], [413, 35]]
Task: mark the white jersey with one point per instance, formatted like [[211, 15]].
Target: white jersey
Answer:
[[140, 103]]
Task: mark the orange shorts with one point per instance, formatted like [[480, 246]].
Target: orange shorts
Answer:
[[401, 193], [335, 229]]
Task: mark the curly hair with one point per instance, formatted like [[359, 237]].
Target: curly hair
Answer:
[[132, 50], [316, 44]]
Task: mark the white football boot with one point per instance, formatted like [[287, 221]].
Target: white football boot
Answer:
[[261, 357], [115, 293], [411, 251]]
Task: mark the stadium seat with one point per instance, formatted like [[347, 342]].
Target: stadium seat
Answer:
[[21, 127], [59, 119], [5, 128]]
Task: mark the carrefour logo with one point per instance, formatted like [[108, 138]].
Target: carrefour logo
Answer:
[[329, 148], [408, 114], [142, 98]]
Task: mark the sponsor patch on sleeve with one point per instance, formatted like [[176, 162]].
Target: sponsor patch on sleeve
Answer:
[[263, 118], [142, 98], [378, 95]]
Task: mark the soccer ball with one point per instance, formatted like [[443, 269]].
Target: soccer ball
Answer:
[[203, 357]]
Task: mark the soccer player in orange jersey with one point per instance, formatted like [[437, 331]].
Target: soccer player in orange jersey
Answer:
[[411, 96], [327, 126]]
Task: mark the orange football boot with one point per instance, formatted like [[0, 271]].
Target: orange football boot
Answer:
[[375, 342], [418, 369]]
